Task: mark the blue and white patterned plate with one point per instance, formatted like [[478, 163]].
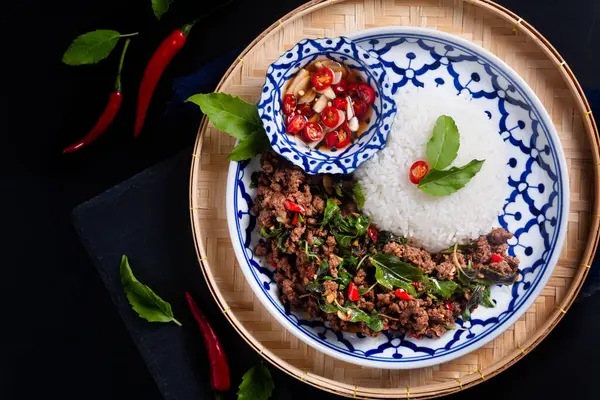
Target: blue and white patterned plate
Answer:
[[317, 161], [535, 212]]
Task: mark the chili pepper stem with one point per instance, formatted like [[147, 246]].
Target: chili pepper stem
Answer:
[[130, 34], [118, 80]]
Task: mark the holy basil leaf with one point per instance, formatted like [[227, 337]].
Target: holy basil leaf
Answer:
[[343, 241], [442, 183], [269, 233], [386, 236], [486, 299], [142, 299], [317, 241], [388, 277], [331, 210], [91, 47], [474, 300], [344, 278], [443, 146], [444, 289], [323, 268], [404, 270], [250, 146], [229, 114], [328, 308], [359, 197], [160, 7], [257, 384], [315, 287], [355, 314]]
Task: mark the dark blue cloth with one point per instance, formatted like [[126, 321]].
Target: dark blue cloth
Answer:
[[147, 218]]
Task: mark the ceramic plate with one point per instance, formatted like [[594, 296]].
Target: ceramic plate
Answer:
[[535, 212]]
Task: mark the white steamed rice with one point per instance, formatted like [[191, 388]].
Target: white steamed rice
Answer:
[[397, 205]]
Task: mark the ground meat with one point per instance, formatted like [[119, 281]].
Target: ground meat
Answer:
[[289, 293], [312, 305], [365, 305], [446, 270], [440, 315], [502, 267], [297, 233], [360, 279], [284, 267], [329, 246], [365, 330], [318, 203], [293, 252], [330, 291], [260, 249], [335, 323], [384, 299], [483, 251], [414, 255], [499, 236]]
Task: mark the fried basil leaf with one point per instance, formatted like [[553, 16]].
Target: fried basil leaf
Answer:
[[444, 289], [331, 210]]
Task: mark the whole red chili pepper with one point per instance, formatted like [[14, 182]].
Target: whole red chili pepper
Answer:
[[291, 206], [402, 295], [107, 117], [219, 368], [157, 64]]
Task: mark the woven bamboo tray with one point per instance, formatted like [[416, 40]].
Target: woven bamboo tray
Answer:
[[494, 28]]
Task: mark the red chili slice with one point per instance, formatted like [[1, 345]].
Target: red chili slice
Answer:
[[340, 87], [322, 79], [373, 233], [418, 171], [360, 107], [289, 104], [366, 93], [353, 292], [449, 306], [306, 110], [402, 295], [295, 219], [312, 132], [496, 258], [330, 117], [339, 138], [291, 206], [340, 103], [296, 124]]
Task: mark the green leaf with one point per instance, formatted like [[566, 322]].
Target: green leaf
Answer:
[[442, 183], [323, 268], [160, 7], [404, 270], [257, 384], [269, 233], [486, 299], [250, 146], [445, 289], [443, 146], [328, 308], [344, 278], [359, 197], [331, 210], [229, 114], [91, 47], [358, 315], [142, 299], [391, 277]]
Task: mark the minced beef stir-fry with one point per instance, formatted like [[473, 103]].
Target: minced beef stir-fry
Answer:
[[332, 262]]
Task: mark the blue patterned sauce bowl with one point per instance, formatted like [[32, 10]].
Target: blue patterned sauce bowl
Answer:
[[371, 70]]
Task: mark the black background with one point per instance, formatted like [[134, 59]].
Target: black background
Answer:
[[60, 335]]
